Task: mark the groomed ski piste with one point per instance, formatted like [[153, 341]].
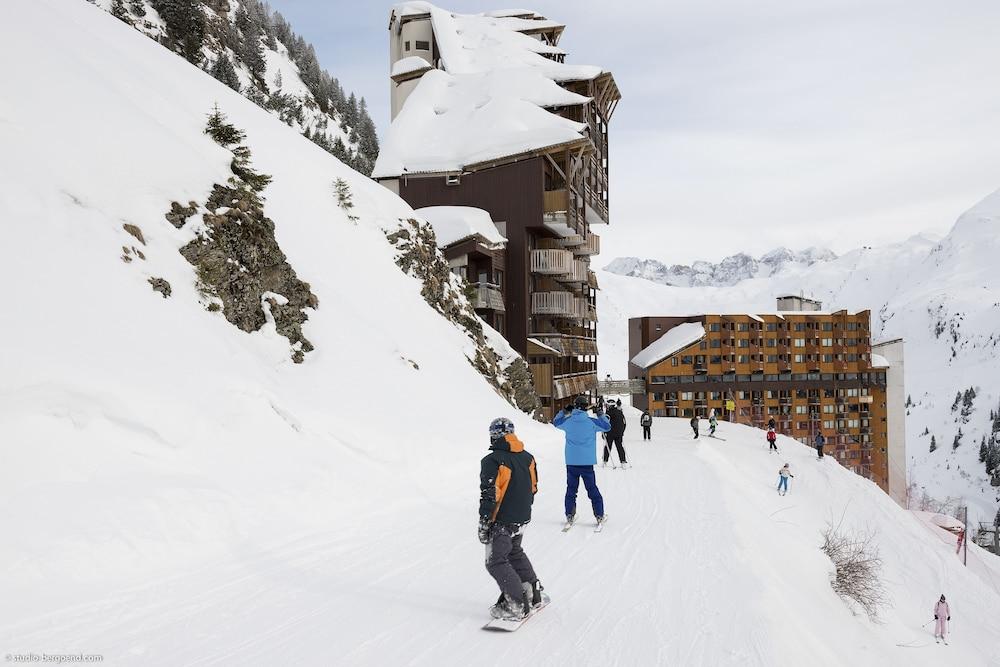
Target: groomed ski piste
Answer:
[[175, 491]]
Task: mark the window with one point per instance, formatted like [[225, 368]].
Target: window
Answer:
[[687, 395], [452, 179], [687, 360], [422, 46], [658, 379], [743, 359], [716, 343], [799, 342], [770, 326], [828, 424], [674, 361], [659, 412], [742, 326], [801, 409], [657, 395], [498, 278], [406, 45], [713, 327], [826, 342], [798, 358], [743, 342]]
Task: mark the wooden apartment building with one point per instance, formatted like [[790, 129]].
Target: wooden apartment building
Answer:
[[808, 370], [539, 290]]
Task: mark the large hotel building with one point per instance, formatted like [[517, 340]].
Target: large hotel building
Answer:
[[810, 371]]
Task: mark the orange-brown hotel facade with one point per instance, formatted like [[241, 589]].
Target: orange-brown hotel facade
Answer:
[[811, 371]]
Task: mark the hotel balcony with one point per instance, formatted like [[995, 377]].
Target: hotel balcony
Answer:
[[487, 296], [591, 246], [577, 273], [552, 262], [560, 304], [573, 384]]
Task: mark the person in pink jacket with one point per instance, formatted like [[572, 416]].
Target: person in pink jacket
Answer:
[[942, 615]]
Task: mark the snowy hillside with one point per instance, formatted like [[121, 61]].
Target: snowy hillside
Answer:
[[254, 51], [729, 271], [942, 297], [178, 491]]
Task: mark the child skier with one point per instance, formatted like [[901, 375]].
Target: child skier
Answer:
[[646, 422], [713, 422], [508, 481], [942, 615], [820, 441], [772, 438], [783, 476], [694, 426]]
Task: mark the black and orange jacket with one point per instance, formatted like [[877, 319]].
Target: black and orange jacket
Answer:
[[508, 481]]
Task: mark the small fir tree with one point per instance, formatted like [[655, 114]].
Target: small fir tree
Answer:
[[120, 12], [224, 71], [223, 132], [343, 192], [933, 443]]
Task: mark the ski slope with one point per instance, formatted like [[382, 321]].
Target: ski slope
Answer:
[[175, 491]]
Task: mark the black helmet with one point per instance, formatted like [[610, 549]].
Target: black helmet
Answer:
[[581, 402]]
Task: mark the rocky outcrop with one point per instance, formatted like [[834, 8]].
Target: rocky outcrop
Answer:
[[418, 256]]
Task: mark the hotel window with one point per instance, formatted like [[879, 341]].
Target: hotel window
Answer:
[[743, 359], [422, 46], [743, 342], [687, 395], [826, 342], [406, 45], [798, 358], [799, 342], [716, 343], [801, 409], [687, 360], [659, 379], [674, 362], [713, 327], [741, 326]]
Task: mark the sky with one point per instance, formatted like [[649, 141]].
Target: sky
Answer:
[[744, 126]]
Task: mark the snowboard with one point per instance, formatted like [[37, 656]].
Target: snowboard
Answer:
[[509, 625]]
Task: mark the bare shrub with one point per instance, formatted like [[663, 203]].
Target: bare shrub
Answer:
[[859, 568]]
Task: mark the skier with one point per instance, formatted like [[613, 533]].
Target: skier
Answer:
[[772, 439], [508, 481], [942, 615], [783, 476], [820, 441], [614, 437], [646, 422], [713, 423], [581, 454], [694, 426]]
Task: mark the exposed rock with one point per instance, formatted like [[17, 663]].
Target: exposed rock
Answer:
[[178, 215], [418, 256], [160, 285], [134, 231]]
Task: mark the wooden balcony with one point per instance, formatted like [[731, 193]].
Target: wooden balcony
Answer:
[[487, 296], [542, 374], [555, 201], [578, 272], [591, 246], [568, 346], [565, 386], [561, 304], [552, 262]]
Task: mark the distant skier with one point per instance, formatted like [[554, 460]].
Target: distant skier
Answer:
[[508, 481], [772, 440], [646, 422], [783, 476], [581, 454], [694, 426], [713, 423], [614, 437], [770, 423], [820, 441], [942, 615]]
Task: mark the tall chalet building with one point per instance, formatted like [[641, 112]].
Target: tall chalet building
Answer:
[[487, 114], [811, 371]]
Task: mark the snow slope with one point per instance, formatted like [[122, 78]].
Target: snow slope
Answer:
[[942, 297], [177, 492]]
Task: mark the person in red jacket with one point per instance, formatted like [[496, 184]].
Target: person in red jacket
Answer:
[[772, 438]]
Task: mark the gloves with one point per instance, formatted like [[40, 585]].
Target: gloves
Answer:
[[949, 618], [599, 412], [484, 530], [935, 617]]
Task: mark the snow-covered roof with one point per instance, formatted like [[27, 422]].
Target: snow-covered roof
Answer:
[[542, 345], [672, 341], [456, 223], [488, 103], [408, 65], [878, 361]]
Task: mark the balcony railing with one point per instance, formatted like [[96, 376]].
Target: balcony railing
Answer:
[[487, 296], [553, 303], [552, 262], [591, 246], [568, 346], [565, 386], [577, 272]]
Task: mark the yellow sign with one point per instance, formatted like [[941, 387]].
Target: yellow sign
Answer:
[[730, 405]]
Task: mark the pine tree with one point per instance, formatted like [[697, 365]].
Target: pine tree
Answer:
[[340, 150], [138, 7], [933, 443], [958, 399], [277, 81], [958, 440], [221, 130], [185, 26], [982, 450], [251, 51], [224, 71]]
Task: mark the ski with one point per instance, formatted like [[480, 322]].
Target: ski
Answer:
[[600, 524], [567, 526], [510, 624]]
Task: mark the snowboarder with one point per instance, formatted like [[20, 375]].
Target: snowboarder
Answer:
[[508, 481], [581, 454], [646, 422], [713, 423], [783, 476], [820, 441], [942, 615], [694, 426], [772, 439], [617, 418]]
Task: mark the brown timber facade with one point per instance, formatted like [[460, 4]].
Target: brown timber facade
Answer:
[[811, 372]]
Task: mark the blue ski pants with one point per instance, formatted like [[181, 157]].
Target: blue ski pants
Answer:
[[782, 483], [573, 476]]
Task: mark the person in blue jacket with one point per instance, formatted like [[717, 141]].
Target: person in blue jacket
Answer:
[[581, 453]]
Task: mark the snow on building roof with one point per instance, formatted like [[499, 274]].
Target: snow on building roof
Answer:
[[672, 341], [488, 103], [542, 345], [408, 65], [456, 223], [878, 361]]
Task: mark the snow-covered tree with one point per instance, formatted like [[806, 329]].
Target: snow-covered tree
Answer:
[[224, 71], [933, 443]]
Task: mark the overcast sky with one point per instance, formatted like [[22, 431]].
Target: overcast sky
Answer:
[[747, 125]]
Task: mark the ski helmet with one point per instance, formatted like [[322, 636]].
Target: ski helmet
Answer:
[[580, 402], [500, 427]]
